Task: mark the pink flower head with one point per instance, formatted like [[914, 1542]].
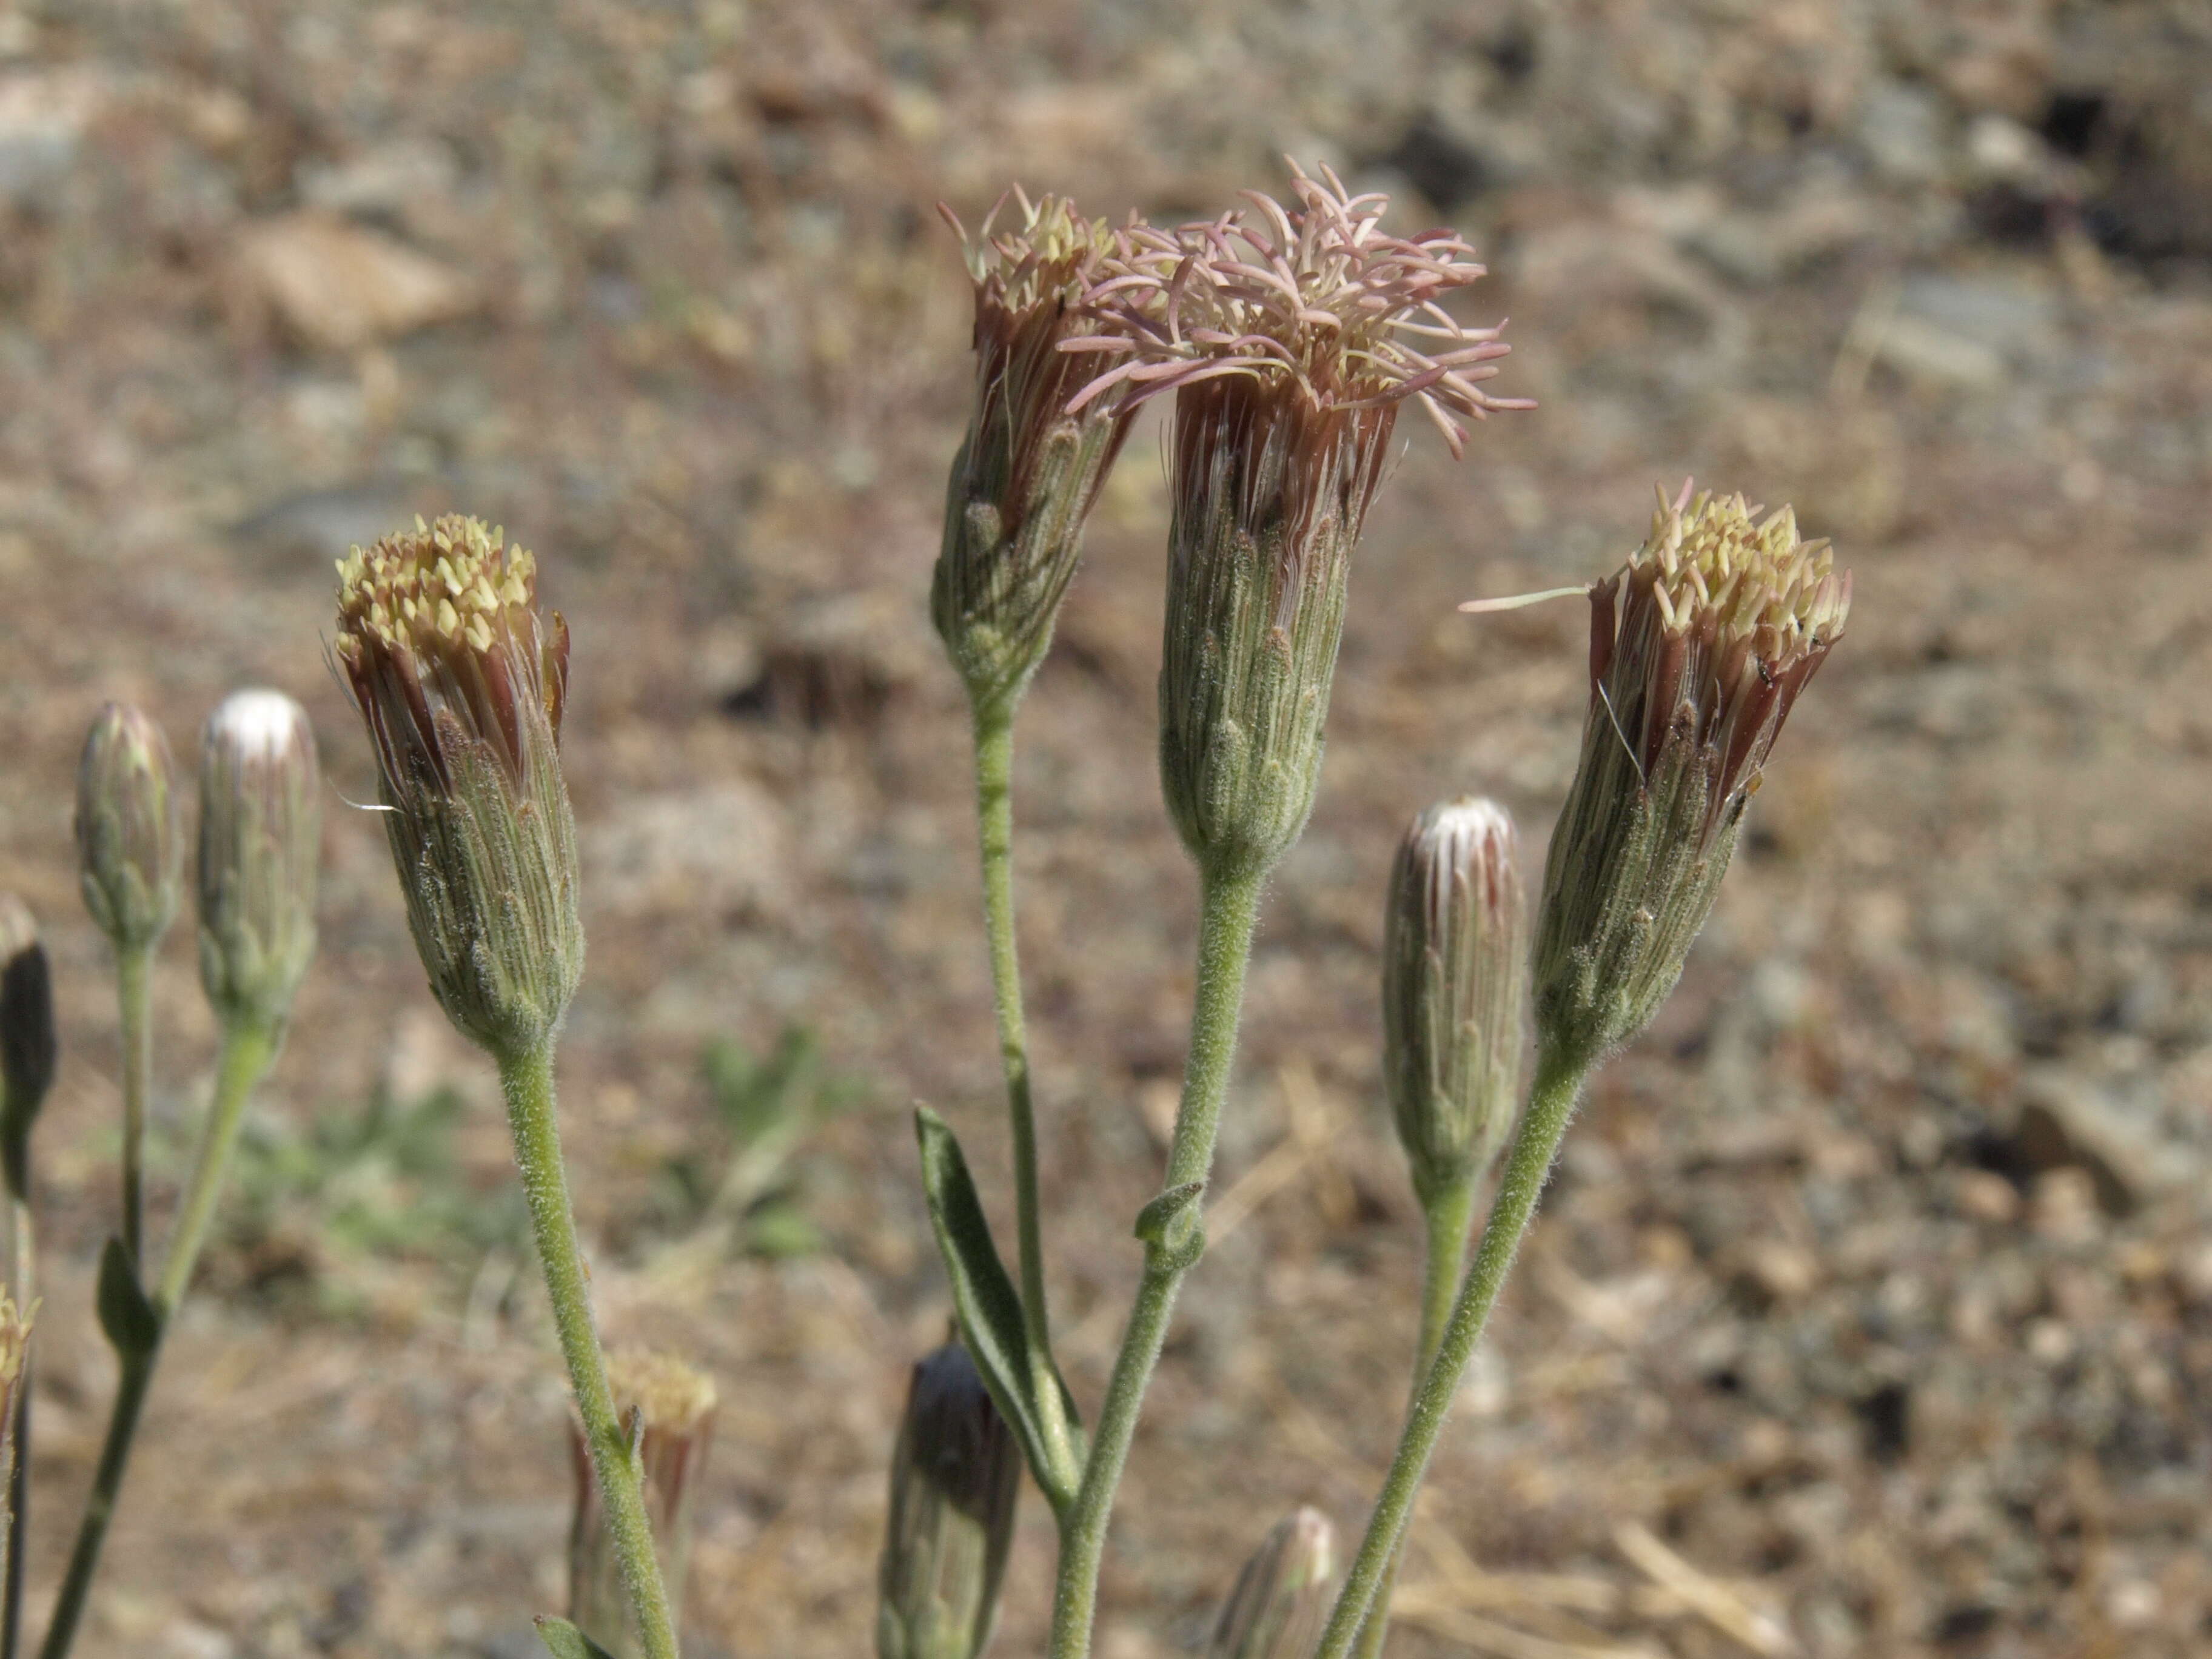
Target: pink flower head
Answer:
[[1316, 296]]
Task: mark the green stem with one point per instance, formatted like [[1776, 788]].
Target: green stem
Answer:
[[528, 1078], [133, 994], [247, 1051], [131, 1387], [1229, 907], [1551, 1104], [1449, 1215], [994, 812]]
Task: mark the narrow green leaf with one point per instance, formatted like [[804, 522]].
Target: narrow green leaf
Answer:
[[989, 1306], [564, 1641], [132, 1323]]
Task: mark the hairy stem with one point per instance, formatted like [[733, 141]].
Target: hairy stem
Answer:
[[994, 812], [1551, 1104], [1229, 905], [133, 995], [528, 1078], [1449, 1215], [131, 1387], [247, 1051]]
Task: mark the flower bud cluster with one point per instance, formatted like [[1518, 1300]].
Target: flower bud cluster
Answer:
[[462, 689]]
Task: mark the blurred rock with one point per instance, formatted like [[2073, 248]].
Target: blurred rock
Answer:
[[2068, 1119], [317, 526], [43, 116], [2016, 319], [706, 851], [1926, 352], [1759, 248], [1902, 128], [393, 180], [337, 288]]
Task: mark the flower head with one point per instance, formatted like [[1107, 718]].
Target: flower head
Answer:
[[130, 850], [1709, 632], [1029, 468], [440, 622], [1291, 338], [1454, 991], [1699, 647], [462, 689], [1315, 296], [259, 845]]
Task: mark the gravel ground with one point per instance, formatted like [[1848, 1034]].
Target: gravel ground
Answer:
[[1871, 1313]]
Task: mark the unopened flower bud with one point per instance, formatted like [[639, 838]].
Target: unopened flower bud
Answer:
[[462, 689], [130, 849], [1700, 645], [1454, 991], [27, 1048], [1029, 470], [1290, 344], [1275, 1610], [260, 828], [669, 1408], [955, 1476]]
